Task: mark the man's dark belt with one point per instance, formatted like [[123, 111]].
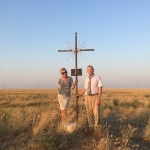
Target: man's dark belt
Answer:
[[92, 94]]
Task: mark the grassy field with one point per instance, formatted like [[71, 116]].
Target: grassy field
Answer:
[[30, 120]]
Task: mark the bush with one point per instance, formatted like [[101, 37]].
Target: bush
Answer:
[[135, 103], [147, 96], [5, 124], [116, 102]]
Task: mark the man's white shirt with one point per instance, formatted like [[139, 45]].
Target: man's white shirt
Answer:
[[96, 83]]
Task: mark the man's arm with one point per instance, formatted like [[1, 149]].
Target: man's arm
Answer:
[[83, 91], [99, 95]]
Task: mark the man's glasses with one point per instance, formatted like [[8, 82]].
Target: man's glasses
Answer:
[[64, 72]]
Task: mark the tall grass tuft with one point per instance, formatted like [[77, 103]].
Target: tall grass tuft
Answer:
[[146, 134]]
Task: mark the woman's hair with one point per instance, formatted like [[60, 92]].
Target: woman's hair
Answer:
[[63, 69]]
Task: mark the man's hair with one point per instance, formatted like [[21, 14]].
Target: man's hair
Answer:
[[90, 66], [63, 69]]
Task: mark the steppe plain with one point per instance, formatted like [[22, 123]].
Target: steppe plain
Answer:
[[30, 120]]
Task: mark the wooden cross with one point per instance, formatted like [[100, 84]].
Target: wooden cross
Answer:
[[76, 72]]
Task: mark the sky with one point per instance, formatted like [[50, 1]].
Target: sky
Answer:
[[32, 32]]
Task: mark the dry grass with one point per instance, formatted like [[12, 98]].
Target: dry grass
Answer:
[[30, 120]]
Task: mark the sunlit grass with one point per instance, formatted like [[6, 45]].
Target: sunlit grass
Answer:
[[30, 119]]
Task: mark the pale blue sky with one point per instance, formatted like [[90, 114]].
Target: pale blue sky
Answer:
[[32, 32]]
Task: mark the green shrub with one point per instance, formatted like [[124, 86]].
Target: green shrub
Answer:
[[135, 103], [116, 102], [5, 124]]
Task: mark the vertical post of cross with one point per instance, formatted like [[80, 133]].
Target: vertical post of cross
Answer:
[[76, 68]]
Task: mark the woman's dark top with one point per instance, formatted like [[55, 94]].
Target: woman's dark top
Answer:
[[64, 86]]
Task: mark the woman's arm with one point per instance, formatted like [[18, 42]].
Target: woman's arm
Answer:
[[74, 84]]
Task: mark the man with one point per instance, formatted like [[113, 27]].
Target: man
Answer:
[[93, 91]]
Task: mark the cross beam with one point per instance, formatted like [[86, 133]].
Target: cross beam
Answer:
[[76, 50]]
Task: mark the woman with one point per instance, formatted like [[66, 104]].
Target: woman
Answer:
[[65, 83]]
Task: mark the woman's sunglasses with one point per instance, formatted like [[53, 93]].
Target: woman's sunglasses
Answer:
[[64, 72]]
